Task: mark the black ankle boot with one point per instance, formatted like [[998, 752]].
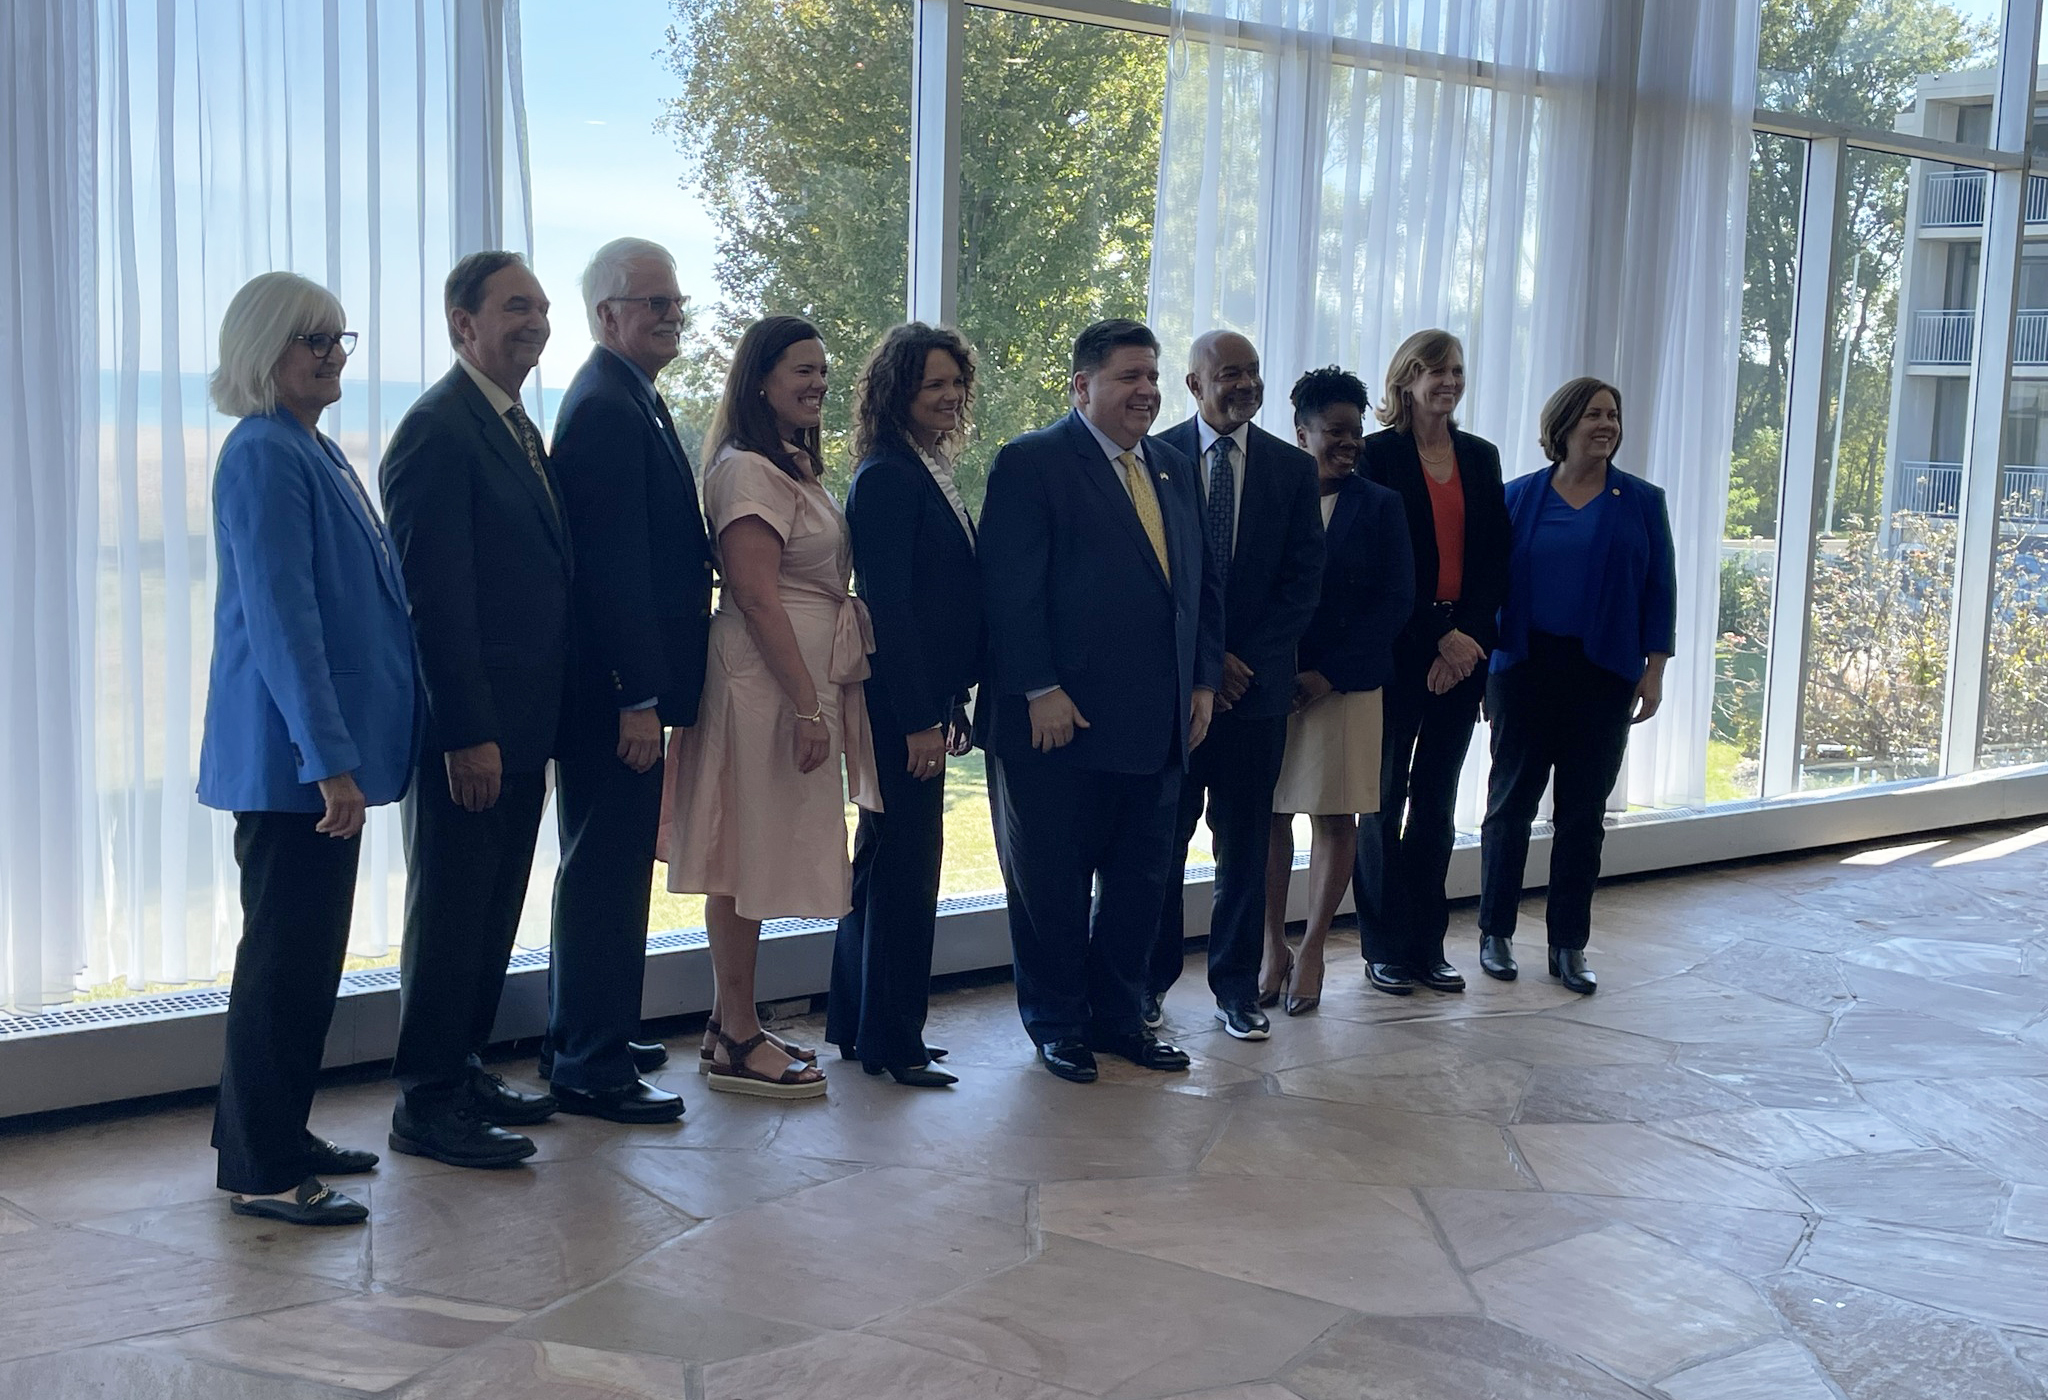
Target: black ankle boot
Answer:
[[1497, 957], [1568, 965]]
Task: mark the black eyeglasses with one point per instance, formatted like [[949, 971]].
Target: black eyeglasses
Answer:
[[660, 306], [322, 344]]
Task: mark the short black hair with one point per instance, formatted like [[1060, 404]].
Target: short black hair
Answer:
[[465, 284], [1315, 392], [1093, 346]]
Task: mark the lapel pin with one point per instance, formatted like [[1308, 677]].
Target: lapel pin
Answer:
[[1162, 476], [1615, 489]]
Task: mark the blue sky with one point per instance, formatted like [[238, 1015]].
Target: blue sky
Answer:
[[594, 89]]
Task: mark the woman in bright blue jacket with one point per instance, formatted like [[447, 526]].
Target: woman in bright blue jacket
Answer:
[[1584, 634], [310, 720]]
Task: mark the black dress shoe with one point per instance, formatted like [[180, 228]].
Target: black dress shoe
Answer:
[[1155, 1011], [1391, 978], [638, 1102], [458, 1135], [914, 1076], [1568, 965], [1497, 957], [324, 1158], [1143, 1049], [500, 1103], [311, 1204], [1440, 976], [1244, 1021], [1069, 1059]]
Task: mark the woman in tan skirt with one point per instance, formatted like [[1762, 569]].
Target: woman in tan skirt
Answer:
[[753, 811], [1332, 768]]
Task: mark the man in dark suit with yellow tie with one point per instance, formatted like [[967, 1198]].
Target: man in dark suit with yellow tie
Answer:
[[484, 547], [1105, 626]]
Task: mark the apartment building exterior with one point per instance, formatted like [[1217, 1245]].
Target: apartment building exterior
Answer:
[[1938, 287]]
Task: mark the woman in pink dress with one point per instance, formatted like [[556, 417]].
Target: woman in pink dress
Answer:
[[754, 810]]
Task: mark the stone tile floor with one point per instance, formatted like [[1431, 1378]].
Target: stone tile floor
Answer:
[[1795, 1148]]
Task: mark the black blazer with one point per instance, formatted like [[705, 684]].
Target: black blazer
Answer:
[[1368, 589], [1389, 458], [1276, 570], [643, 576], [487, 569], [1075, 598], [915, 569]]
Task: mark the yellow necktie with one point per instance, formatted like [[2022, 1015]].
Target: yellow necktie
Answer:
[[1147, 502]]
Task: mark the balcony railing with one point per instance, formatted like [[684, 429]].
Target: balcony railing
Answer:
[[1955, 199], [1950, 338], [1936, 489]]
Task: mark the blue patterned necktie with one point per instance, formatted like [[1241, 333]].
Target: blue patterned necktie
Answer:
[[1222, 504]]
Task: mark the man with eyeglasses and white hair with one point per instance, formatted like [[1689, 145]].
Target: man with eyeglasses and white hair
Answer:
[[642, 620]]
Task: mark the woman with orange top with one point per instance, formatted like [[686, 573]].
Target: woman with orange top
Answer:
[[1450, 486]]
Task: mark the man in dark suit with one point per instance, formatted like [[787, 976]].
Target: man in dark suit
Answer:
[[1105, 624], [1264, 530], [485, 550], [643, 610]]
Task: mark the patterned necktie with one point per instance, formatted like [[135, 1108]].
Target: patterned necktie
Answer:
[[529, 438], [1222, 504], [1147, 502]]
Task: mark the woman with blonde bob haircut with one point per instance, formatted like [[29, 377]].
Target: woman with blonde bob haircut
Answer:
[[310, 720], [1450, 487], [1587, 627], [913, 560]]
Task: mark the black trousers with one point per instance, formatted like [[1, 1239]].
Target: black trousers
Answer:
[[1399, 889], [1554, 714], [466, 880], [298, 890], [608, 816], [882, 958], [1235, 769], [1085, 860]]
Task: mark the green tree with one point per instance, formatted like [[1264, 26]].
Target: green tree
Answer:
[[1858, 62], [794, 122]]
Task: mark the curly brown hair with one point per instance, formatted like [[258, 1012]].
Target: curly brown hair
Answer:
[[893, 376]]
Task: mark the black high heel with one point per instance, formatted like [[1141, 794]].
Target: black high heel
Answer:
[[913, 1076], [1300, 1006], [1272, 998]]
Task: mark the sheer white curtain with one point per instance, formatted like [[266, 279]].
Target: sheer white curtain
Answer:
[[1335, 176], [46, 106], [363, 144]]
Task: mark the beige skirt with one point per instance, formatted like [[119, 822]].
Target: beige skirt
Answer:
[[1333, 757]]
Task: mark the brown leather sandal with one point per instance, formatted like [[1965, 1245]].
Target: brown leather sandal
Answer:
[[735, 1077], [707, 1055]]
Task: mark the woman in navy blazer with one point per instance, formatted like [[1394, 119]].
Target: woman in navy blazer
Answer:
[[1587, 627], [914, 566], [1450, 484], [1343, 663], [311, 713]]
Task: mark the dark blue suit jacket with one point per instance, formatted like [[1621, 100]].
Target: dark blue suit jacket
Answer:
[[915, 569], [487, 567], [1633, 579], [1389, 458], [1075, 598], [1368, 589], [643, 565], [1276, 568], [312, 673]]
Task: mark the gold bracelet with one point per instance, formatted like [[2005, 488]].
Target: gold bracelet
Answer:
[[817, 716]]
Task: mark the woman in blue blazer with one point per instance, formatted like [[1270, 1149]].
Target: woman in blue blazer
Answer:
[[1343, 662], [310, 717], [1584, 634], [914, 566]]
